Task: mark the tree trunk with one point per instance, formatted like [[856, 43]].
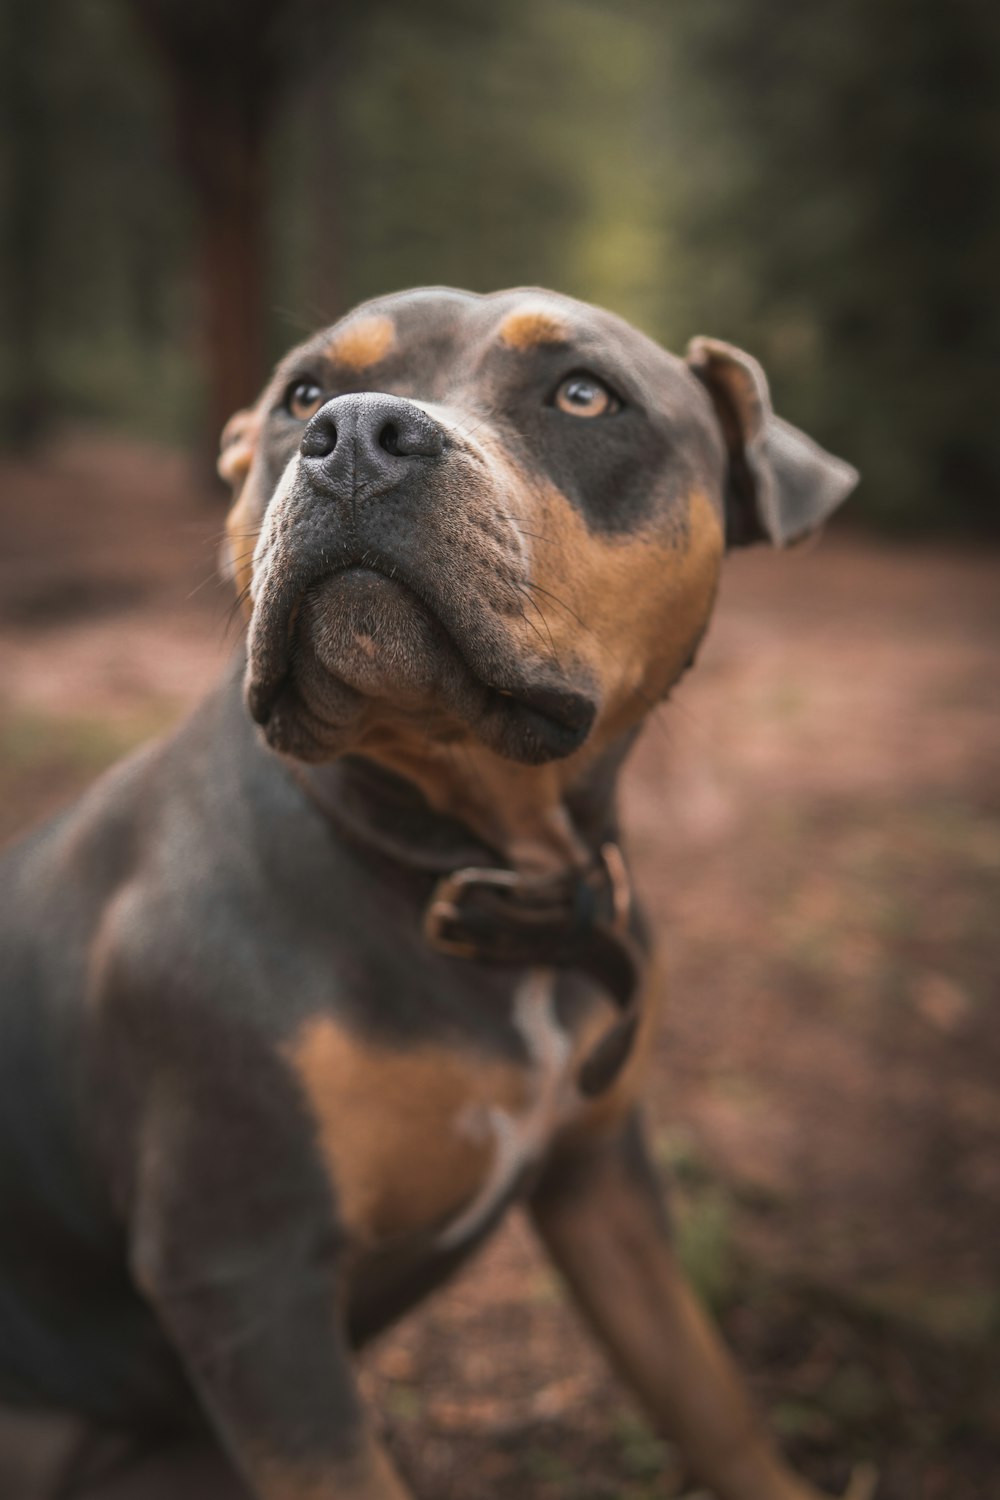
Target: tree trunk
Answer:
[[221, 67], [25, 118], [227, 171]]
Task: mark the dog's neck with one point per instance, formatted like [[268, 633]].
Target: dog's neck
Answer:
[[455, 802]]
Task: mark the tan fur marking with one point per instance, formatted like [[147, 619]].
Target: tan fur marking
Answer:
[[528, 327], [363, 342], [517, 809], [632, 606], [387, 1124]]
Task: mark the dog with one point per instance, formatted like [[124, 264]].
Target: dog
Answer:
[[299, 1001]]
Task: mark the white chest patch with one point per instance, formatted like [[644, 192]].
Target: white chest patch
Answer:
[[521, 1138]]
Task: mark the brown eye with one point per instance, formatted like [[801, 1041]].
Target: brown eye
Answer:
[[303, 399], [585, 396]]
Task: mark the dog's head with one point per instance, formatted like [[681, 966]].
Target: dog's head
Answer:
[[497, 519]]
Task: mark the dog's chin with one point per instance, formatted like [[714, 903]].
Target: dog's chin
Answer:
[[364, 653]]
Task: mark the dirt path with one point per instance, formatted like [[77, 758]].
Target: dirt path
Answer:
[[816, 825]]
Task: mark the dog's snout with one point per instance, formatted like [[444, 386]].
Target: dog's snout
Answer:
[[355, 439]]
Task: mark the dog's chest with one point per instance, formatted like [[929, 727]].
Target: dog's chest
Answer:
[[434, 1139]]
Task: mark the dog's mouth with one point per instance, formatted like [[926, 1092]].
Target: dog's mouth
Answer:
[[360, 645]]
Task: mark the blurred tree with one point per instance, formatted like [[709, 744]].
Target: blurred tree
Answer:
[[26, 130], [487, 146], [221, 63], [94, 301], [815, 181], [841, 195]]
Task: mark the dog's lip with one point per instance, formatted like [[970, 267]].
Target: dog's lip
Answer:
[[560, 712]]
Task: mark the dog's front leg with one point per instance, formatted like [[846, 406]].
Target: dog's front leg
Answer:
[[600, 1214], [235, 1246]]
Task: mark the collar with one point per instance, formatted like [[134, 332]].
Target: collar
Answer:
[[581, 919]]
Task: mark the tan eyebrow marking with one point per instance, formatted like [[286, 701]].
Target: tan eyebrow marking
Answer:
[[527, 327], [364, 341]]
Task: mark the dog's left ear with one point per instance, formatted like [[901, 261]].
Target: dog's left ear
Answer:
[[781, 485]]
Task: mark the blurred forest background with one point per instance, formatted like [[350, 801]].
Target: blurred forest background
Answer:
[[187, 187], [192, 184]]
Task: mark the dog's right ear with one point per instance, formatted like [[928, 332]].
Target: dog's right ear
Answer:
[[237, 466], [237, 446]]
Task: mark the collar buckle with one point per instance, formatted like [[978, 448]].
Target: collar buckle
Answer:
[[444, 908]]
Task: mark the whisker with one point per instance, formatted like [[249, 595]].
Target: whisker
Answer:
[[209, 578], [541, 614], [562, 605], [504, 515], [234, 611], [531, 624]]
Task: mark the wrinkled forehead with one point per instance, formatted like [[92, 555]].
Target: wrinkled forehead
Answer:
[[438, 342]]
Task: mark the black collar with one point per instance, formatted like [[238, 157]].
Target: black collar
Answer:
[[478, 908]]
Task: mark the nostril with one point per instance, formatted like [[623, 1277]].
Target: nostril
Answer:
[[388, 439], [319, 440], [409, 434]]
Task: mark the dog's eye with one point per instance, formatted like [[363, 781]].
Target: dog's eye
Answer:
[[585, 396], [303, 399]]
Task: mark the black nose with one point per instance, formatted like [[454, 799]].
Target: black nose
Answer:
[[354, 441]]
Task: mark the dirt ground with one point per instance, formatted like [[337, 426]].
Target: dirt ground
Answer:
[[815, 820]]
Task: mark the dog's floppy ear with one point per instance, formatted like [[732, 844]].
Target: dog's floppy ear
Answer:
[[237, 446], [781, 485], [237, 451]]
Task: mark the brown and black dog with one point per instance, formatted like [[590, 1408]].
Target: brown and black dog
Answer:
[[298, 1002]]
